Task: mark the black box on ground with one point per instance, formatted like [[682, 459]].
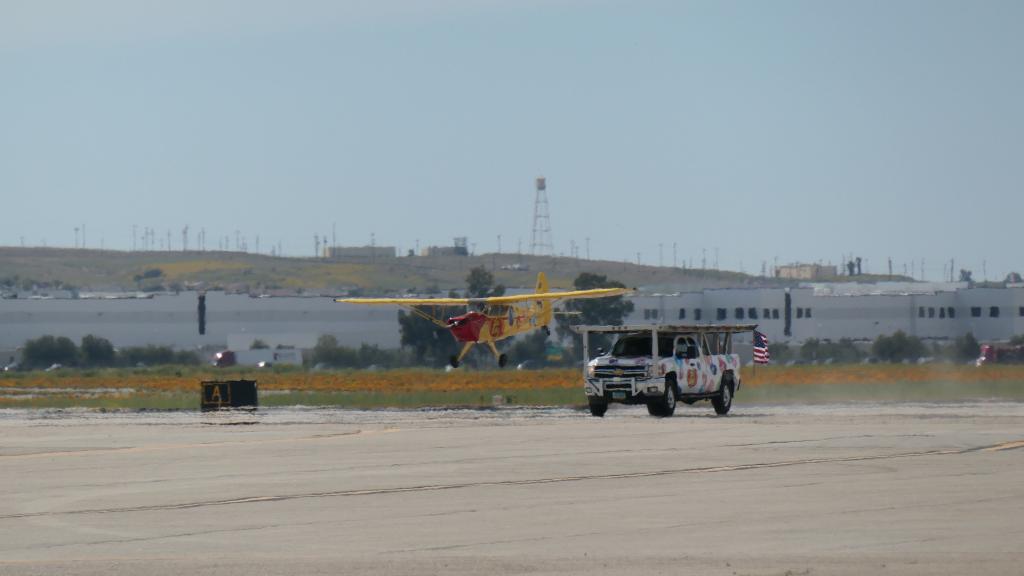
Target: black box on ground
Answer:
[[218, 394]]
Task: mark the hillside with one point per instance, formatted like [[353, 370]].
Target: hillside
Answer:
[[113, 270]]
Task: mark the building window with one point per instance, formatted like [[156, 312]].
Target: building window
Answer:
[[807, 312], [931, 312], [720, 313], [1021, 311], [647, 313], [697, 314], [775, 313], [682, 313], [975, 311], [752, 313], [920, 311], [799, 312], [951, 312], [767, 313], [993, 311], [739, 313], [942, 312]]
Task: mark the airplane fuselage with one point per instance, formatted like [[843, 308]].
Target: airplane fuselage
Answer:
[[499, 322]]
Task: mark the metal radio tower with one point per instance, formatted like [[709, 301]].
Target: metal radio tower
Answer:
[[541, 245]]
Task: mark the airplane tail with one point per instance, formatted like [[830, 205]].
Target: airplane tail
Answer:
[[545, 305]]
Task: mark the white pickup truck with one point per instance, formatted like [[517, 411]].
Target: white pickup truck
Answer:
[[660, 365]]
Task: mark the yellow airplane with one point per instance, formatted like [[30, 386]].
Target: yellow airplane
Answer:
[[499, 317]]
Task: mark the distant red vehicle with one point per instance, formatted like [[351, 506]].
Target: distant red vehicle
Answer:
[[992, 354]]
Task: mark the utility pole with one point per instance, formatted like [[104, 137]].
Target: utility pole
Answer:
[[184, 238], [588, 247], [499, 243], [674, 259]]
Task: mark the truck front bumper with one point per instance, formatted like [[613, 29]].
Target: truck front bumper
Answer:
[[625, 390]]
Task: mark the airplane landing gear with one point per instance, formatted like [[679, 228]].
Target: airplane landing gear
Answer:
[[502, 360], [453, 361]]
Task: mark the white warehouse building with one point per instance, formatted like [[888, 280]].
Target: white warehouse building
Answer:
[[937, 311]]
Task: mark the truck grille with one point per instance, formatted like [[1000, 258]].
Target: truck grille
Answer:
[[605, 372]]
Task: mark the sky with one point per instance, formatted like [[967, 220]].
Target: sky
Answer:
[[760, 132]]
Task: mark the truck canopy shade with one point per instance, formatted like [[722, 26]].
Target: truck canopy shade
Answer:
[[681, 328]]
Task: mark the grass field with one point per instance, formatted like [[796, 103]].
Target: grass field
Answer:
[[168, 388]]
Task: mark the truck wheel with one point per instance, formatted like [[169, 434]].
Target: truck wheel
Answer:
[[598, 406], [664, 405], [723, 401]]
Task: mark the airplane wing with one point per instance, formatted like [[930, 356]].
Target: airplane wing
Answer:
[[411, 301], [573, 294], [570, 295]]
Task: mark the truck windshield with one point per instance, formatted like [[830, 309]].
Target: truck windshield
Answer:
[[637, 345]]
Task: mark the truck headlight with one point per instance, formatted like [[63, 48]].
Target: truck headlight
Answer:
[[590, 371]]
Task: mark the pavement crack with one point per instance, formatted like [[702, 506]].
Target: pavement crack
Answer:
[[524, 482]]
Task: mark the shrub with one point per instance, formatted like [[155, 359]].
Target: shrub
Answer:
[[97, 351], [897, 347], [48, 350]]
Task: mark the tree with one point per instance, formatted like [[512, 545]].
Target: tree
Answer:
[[592, 310], [430, 343], [97, 351], [533, 347], [258, 344], [327, 351], [47, 350], [966, 348], [480, 284]]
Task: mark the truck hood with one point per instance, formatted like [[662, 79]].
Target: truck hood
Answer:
[[608, 360]]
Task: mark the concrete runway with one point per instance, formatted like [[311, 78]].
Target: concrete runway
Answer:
[[832, 489]]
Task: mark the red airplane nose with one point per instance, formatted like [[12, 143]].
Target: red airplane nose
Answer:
[[466, 328]]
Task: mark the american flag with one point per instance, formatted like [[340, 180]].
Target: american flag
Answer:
[[761, 355]]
